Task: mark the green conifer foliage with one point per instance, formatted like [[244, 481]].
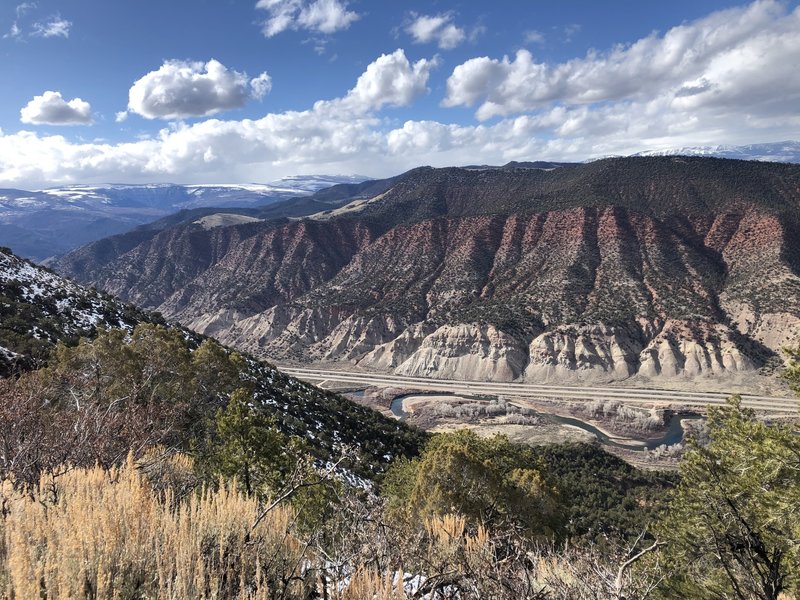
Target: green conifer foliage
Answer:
[[733, 526], [488, 481], [249, 447]]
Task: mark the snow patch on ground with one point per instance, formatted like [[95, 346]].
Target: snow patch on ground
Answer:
[[55, 295]]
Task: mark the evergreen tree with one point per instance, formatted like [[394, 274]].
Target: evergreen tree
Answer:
[[733, 526], [249, 447], [489, 481]]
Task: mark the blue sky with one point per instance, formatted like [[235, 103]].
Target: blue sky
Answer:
[[235, 91]]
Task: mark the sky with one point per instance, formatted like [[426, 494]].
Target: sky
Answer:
[[230, 91]]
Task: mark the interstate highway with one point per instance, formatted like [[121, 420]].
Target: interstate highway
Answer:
[[677, 398]]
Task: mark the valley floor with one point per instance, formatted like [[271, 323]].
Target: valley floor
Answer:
[[645, 426]]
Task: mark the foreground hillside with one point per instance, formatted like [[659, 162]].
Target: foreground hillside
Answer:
[[146, 461], [662, 267], [467, 519], [41, 309]]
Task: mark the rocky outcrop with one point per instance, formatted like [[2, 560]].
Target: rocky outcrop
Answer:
[[762, 293], [480, 353], [675, 349], [389, 356], [218, 324], [774, 330], [684, 349], [585, 353], [357, 335], [283, 330], [224, 220]]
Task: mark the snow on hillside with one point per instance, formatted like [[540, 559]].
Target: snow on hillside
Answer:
[[56, 307], [314, 183]]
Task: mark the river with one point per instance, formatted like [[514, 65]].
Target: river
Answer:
[[673, 434]]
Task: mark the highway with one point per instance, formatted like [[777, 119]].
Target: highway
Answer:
[[531, 391]]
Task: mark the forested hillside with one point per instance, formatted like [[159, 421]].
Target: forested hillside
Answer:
[[48, 320]]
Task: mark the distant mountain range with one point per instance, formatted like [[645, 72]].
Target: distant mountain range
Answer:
[[646, 267], [46, 223], [42, 223], [787, 152]]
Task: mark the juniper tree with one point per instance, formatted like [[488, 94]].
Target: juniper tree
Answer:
[[489, 481], [733, 526]]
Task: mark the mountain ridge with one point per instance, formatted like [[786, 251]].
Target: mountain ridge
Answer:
[[43, 223], [653, 267]]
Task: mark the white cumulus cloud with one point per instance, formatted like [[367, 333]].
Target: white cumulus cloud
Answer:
[[51, 109], [333, 135], [436, 28], [181, 89], [318, 16], [734, 53], [390, 80], [260, 86]]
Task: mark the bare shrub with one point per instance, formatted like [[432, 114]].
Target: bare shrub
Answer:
[[618, 572], [46, 426], [522, 419], [628, 417]]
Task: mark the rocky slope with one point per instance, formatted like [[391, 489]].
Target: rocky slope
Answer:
[[658, 267]]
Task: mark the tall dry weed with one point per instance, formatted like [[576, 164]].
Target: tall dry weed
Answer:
[[107, 534]]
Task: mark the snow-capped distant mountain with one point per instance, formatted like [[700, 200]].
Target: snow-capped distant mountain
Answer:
[[168, 196], [787, 152], [314, 183], [42, 223]]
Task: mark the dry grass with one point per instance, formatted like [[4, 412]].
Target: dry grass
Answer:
[[134, 532], [123, 533], [451, 553], [369, 584], [107, 534]]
